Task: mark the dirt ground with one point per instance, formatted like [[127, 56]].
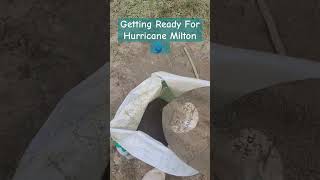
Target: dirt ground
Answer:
[[46, 48], [288, 114], [131, 63], [239, 23], [126, 59], [40, 41]]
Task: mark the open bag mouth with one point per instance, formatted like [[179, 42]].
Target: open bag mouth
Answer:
[[151, 122], [123, 127]]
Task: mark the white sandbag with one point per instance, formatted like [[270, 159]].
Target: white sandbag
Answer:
[[72, 144], [123, 127], [237, 72]]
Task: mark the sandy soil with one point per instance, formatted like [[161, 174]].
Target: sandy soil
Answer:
[[132, 63], [239, 23], [186, 125], [288, 115], [46, 48], [40, 42]]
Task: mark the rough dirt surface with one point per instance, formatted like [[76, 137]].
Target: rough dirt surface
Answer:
[[192, 142], [132, 63], [239, 23], [46, 48], [288, 115]]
